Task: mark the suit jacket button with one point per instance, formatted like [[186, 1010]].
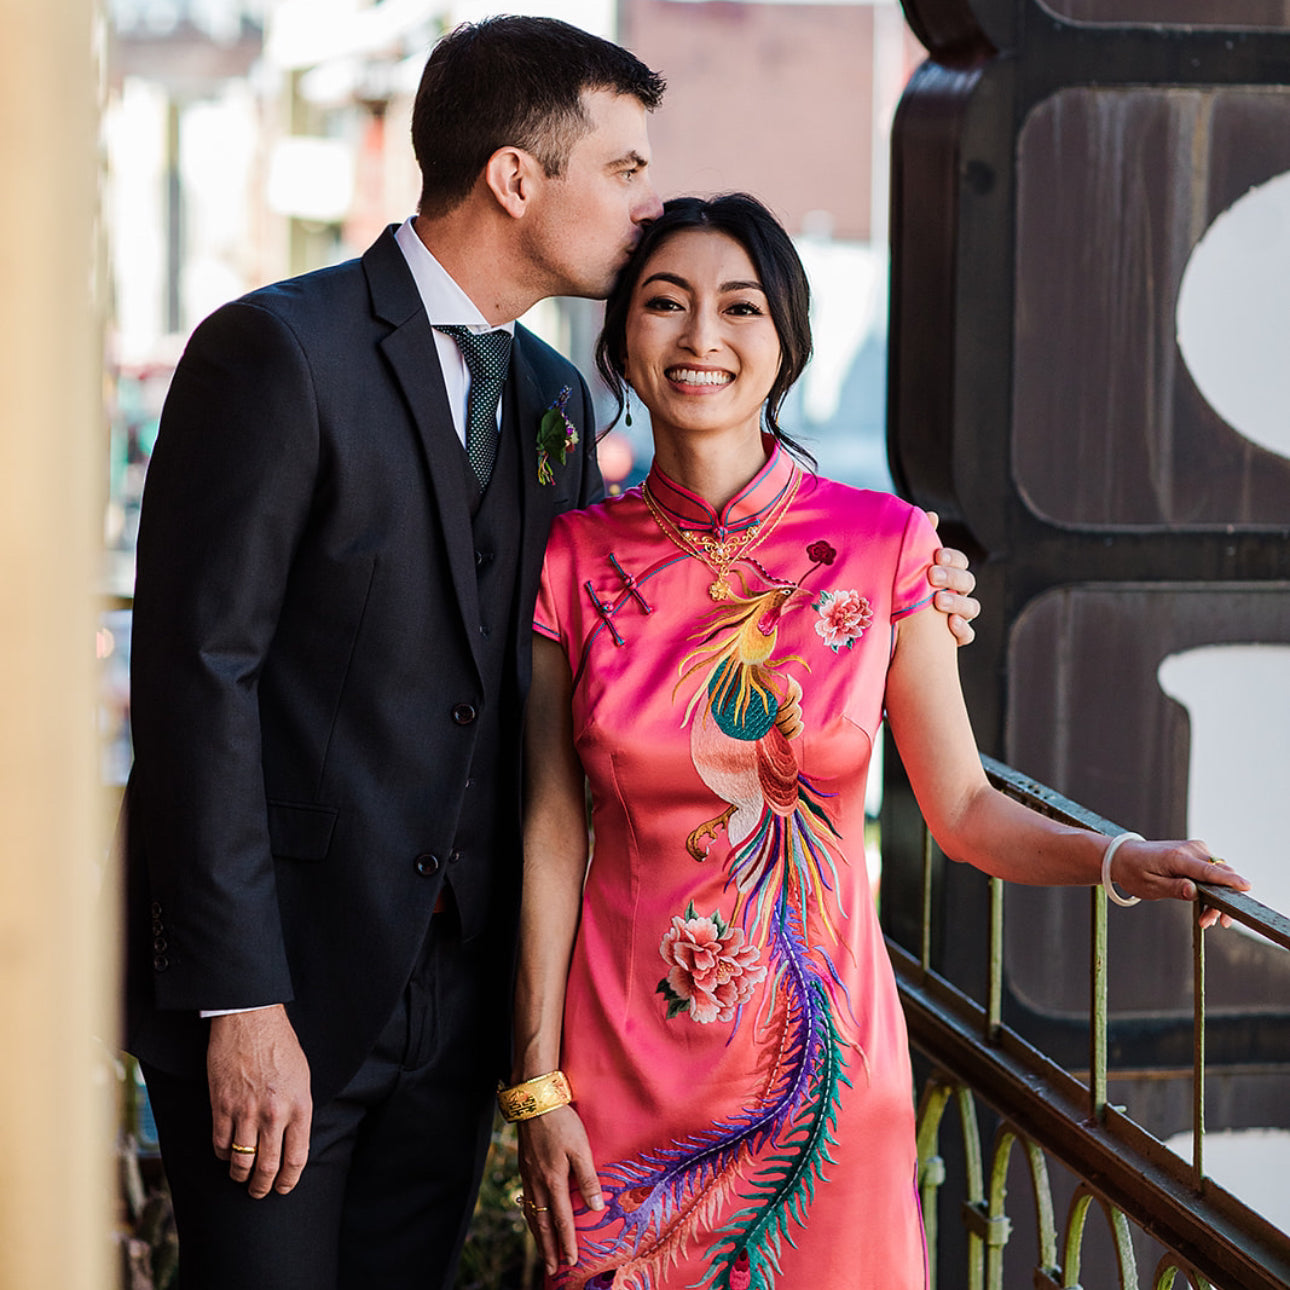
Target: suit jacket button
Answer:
[[427, 865], [454, 857], [160, 963], [464, 713]]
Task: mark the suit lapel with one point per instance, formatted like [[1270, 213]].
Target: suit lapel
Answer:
[[410, 349]]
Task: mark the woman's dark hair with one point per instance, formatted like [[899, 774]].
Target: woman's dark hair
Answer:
[[515, 81], [779, 270]]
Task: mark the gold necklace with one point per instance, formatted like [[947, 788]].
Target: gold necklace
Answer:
[[719, 554]]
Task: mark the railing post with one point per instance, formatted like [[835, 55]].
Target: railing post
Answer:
[[1097, 1006], [1198, 1051], [931, 1164], [994, 1008]]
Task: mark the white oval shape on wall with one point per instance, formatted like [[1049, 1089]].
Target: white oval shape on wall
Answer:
[[1233, 315], [1238, 702]]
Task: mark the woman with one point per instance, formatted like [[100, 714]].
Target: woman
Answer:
[[715, 651]]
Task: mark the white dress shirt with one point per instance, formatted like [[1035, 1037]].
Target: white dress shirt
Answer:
[[446, 303]]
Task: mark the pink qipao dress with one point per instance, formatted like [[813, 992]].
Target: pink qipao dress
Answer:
[[732, 1031]]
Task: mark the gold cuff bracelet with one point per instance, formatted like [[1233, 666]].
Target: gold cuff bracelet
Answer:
[[534, 1097]]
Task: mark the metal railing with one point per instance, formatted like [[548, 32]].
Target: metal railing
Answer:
[[1210, 1237]]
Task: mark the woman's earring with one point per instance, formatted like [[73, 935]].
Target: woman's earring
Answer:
[[628, 416]]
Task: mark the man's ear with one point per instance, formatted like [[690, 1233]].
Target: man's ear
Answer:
[[511, 176]]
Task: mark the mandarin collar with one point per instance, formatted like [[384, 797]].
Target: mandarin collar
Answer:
[[689, 510]]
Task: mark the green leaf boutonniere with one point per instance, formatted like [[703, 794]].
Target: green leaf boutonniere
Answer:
[[556, 436]]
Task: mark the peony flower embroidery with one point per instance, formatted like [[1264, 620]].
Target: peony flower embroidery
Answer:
[[556, 435], [844, 618], [711, 972]]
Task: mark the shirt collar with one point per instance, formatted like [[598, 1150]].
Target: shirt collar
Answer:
[[446, 304], [689, 510]]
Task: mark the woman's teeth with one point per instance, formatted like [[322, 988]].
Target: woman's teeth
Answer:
[[688, 376]]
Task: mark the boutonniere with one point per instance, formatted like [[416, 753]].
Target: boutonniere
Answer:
[[556, 436]]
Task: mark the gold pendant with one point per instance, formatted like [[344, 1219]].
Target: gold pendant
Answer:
[[721, 590]]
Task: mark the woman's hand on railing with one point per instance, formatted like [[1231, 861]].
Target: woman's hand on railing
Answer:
[[1171, 870]]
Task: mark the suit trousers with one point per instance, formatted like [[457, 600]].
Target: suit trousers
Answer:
[[395, 1160]]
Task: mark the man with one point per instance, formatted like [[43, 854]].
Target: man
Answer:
[[339, 552]]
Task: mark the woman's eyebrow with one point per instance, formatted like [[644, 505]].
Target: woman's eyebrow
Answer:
[[674, 278], [738, 284]]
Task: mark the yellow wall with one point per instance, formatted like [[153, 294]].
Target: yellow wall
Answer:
[[55, 983]]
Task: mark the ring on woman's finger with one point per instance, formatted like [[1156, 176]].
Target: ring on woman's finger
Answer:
[[1216, 860]]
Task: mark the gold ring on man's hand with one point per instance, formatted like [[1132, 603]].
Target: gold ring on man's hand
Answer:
[[242, 1151]]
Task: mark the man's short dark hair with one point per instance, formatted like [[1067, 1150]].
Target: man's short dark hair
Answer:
[[512, 81]]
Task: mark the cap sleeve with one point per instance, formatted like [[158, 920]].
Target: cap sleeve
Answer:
[[550, 615], [910, 590]]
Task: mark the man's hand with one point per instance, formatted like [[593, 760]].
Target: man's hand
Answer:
[[955, 582], [259, 1084]]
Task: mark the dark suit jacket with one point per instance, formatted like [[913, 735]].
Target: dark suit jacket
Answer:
[[304, 668]]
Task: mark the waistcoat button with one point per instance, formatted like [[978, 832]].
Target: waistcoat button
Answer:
[[464, 713]]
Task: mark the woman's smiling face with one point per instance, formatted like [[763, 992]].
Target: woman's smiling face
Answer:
[[702, 349]]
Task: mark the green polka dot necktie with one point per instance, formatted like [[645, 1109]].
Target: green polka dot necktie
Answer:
[[487, 355]]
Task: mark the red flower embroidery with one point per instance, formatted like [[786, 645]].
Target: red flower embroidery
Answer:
[[711, 972], [821, 553], [844, 618]]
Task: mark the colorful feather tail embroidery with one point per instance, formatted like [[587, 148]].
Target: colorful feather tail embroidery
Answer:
[[660, 1199]]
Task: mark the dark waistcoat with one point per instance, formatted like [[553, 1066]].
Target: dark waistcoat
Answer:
[[482, 869]]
